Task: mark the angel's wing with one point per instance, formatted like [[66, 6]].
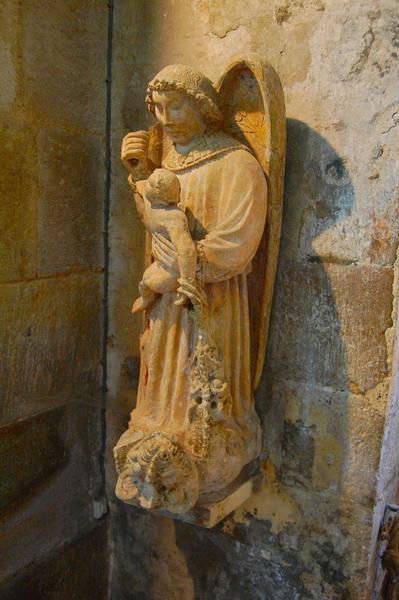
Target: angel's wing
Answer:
[[252, 101]]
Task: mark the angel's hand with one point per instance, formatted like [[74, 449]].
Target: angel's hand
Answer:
[[193, 292], [165, 253], [134, 154]]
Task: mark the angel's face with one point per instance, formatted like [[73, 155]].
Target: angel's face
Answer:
[[179, 116]]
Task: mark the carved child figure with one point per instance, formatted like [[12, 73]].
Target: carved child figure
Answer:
[[162, 215]]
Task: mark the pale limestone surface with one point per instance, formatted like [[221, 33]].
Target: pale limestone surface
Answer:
[[163, 214], [326, 388], [194, 428]]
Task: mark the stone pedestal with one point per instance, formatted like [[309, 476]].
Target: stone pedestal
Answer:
[[210, 514], [213, 508]]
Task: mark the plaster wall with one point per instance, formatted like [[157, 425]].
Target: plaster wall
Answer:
[[311, 531], [52, 130]]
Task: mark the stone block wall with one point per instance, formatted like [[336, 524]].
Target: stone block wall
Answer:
[[52, 132], [327, 396]]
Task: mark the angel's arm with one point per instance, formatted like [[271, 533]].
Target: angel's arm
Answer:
[[230, 246]]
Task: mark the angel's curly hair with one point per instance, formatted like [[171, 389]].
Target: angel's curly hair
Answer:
[[191, 83]]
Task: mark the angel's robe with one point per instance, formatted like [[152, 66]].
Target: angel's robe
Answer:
[[224, 193]]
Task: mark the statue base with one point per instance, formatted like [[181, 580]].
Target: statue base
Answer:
[[213, 508], [209, 515]]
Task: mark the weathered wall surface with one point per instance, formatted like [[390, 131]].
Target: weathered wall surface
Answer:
[[325, 392], [52, 115]]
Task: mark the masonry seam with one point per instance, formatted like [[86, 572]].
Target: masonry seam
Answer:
[[106, 248]]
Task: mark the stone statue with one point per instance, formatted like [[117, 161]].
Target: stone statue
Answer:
[[390, 558], [161, 215], [207, 182]]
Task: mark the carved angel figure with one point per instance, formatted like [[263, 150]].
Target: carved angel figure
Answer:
[[200, 362]]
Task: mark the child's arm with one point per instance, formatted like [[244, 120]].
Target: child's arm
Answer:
[[138, 193]]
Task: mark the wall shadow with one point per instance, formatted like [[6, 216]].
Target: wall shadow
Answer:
[[306, 367]]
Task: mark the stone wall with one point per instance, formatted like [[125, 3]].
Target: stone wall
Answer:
[[324, 399], [52, 114], [328, 397]]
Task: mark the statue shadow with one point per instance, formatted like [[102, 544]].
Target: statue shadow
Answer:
[[305, 350], [302, 402]]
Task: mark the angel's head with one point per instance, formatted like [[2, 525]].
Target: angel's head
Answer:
[[185, 103]]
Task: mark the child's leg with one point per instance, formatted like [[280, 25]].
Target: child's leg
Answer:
[[187, 265], [155, 281], [158, 279], [145, 300]]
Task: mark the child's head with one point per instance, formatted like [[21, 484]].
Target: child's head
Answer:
[[163, 186]]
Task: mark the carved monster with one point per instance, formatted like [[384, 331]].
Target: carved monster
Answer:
[[194, 428], [158, 474]]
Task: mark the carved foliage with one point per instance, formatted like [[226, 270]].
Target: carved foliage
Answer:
[[210, 396]]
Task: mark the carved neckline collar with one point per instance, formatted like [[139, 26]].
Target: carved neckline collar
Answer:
[[208, 146]]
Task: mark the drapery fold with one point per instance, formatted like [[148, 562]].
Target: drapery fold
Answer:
[[225, 199]]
